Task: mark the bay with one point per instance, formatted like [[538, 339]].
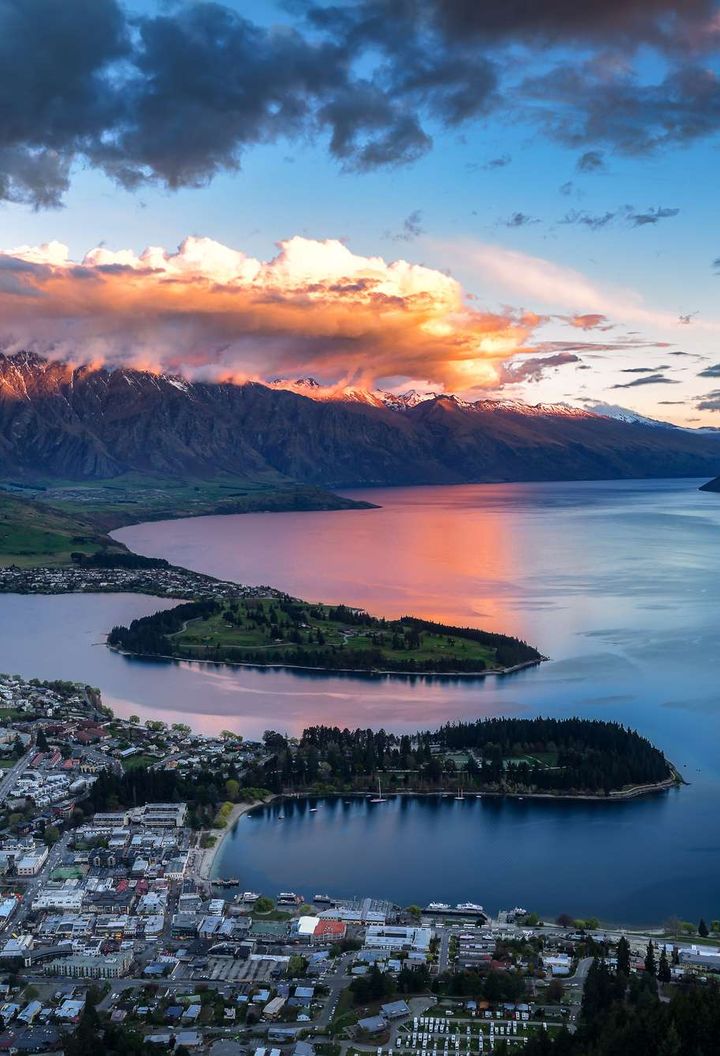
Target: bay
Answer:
[[616, 582]]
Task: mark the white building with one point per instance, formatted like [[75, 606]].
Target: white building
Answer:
[[31, 864]]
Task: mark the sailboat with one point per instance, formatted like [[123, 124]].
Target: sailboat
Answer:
[[379, 797], [460, 795]]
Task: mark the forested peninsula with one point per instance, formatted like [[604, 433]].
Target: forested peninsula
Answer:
[[561, 758], [285, 631], [505, 756]]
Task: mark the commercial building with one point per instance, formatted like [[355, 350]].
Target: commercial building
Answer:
[[31, 864], [82, 967]]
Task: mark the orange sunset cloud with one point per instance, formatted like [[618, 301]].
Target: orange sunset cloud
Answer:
[[209, 310]]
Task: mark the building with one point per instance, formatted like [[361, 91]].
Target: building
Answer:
[[161, 815], [398, 938], [273, 1008], [31, 864], [558, 964], [372, 1025], [113, 966], [111, 820], [395, 1009], [700, 957]]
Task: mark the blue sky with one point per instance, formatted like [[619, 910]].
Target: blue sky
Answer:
[[452, 209]]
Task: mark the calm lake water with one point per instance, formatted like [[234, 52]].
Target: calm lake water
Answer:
[[617, 582]]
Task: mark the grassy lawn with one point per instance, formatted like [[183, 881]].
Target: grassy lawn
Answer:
[[138, 762], [261, 630]]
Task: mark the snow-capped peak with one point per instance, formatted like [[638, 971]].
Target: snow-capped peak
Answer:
[[623, 414]]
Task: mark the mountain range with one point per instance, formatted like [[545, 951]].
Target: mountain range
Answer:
[[63, 422]]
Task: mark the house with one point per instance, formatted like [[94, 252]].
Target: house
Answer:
[[30, 1013], [372, 1025], [273, 1008], [395, 1009], [70, 1010]]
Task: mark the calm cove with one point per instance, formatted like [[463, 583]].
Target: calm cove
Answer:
[[617, 582]]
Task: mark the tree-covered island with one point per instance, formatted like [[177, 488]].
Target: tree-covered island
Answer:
[[282, 630]]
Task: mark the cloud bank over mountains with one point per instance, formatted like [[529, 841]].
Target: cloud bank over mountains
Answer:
[[210, 310]]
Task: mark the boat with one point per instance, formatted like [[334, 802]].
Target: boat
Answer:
[[437, 907], [469, 907], [460, 795], [289, 898], [379, 797], [322, 898], [313, 810], [249, 896]]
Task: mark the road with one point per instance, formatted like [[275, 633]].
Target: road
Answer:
[[12, 775]]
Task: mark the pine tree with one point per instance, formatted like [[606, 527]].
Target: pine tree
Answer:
[[663, 967], [650, 966], [623, 956], [702, 928]]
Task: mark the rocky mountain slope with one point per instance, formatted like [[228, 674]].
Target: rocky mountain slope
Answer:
[[63, 423]]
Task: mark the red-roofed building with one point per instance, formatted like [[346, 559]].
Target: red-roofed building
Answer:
[[330, 930]]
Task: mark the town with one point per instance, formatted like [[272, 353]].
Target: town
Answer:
[[116, 914], [136, 576]]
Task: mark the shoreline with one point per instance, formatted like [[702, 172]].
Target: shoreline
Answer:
[[205, 857], [372, 672]]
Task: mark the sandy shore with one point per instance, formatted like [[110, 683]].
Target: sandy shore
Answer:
[[204, 859]]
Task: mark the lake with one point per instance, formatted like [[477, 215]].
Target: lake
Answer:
[[617, 582]]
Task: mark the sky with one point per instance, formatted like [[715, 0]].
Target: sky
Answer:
[[500, 200]]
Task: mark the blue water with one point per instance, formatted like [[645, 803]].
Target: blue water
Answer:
[[617, 582]]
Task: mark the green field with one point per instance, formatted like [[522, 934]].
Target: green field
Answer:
[[32, 534], [134, 497], [286, 631]]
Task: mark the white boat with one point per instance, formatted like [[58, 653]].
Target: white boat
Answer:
[[289, 898], [435, 906], [460, 795], [470, 907], [249, 896], [379, 797], [322, 898]]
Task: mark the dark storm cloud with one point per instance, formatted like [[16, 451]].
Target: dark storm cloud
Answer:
[[178, 95], [659, 22], [650, 379], [580, 104]]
